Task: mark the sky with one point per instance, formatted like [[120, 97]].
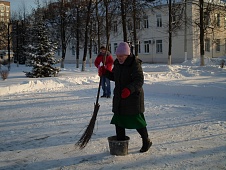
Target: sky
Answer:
[[42, 118], [17, 5]]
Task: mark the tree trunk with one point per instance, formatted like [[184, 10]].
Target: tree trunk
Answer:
[[62, 63], [201, 34], [134, 29], [83, 65], [107, 27], [90, 51], [77, 63], [63, 36], [185, 31], [123, 15], [86, 34], [170, 33], [77, 38]]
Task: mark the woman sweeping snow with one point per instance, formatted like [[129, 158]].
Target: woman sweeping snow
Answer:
[[128, 99]]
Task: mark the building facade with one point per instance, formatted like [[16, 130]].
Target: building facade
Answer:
[[4, 11], [6, 29], [153, 34]]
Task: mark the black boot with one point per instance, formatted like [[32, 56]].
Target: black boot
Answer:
[[146, 145], [145, 140]]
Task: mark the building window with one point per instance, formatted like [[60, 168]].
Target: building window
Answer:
[[138, 46], [218, 47], [109, 47], [115, 28], [207, 45], [217, 20], [73, 50], [174, 19], [146, 25], [130, 25], [115, 47], [159, 20], [206, 18], [146, 46], [58, 51], [225, 46], [224, 22], [95, 49], [137, 23], [158, 46]]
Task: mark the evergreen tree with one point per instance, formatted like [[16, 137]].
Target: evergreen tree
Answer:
[[40, 51]]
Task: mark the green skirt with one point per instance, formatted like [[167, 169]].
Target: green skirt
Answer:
[[129, 121]]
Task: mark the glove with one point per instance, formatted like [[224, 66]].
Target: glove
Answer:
[[125, 93], [101, 70]]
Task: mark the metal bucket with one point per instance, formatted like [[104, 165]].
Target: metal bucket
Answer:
[[119, 148]]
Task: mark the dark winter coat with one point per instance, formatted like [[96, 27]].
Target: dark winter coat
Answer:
[[128, 75]]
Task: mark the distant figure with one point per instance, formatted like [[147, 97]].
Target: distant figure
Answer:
[[105, 59]]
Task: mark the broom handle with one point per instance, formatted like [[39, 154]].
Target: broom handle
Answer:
[[98, 91]]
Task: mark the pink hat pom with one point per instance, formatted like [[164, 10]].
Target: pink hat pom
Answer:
[[123, 49]]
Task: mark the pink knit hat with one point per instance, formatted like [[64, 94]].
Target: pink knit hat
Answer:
[[123, 49]]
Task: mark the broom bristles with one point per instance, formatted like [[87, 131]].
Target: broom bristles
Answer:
[[82, 142]]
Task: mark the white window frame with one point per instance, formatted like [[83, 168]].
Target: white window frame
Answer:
[[95, 49], [225, 45], [159, 46], [218, 45], [138, 23], [109, 47], [115, 27], [146, 47], [207, 45], [130, 25], [115, 47], [159, 20], [217, 20], [73, 51], [225, 22], [146, 24]]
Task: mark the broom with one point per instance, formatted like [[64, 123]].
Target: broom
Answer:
[[83, 141]]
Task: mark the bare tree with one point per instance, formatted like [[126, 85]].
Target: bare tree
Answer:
[[136, 10], [58, 17], [170, 33], [88, 14], [176, 19], [208, 22], [201, 26], [3, 35], [123, 16]]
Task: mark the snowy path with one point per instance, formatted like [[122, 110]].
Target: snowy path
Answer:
[[39, 130], [41, 120]]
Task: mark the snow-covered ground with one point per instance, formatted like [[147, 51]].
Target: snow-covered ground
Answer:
[[41, 119]]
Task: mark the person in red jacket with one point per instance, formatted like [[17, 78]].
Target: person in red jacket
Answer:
[[104, 58]]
